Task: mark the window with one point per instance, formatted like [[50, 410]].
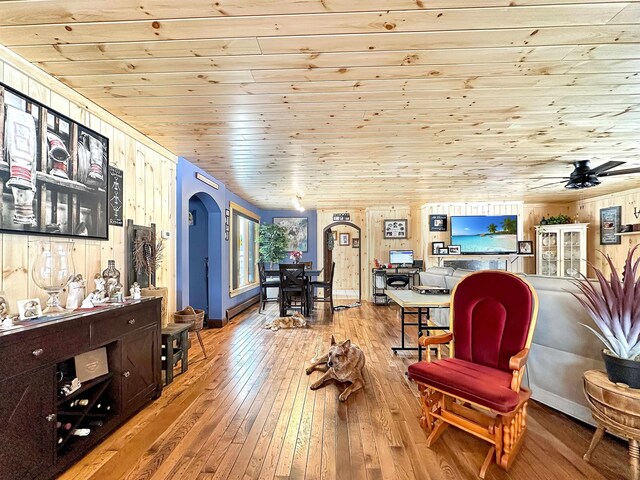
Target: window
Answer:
[[244, 249]]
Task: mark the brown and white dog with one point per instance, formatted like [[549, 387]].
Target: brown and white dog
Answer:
[[343, 363], [297, 320]]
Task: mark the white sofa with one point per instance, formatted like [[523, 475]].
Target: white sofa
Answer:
[[561, 350]]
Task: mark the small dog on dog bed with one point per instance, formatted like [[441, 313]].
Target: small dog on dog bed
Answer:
[[343, 363], [297, 320]]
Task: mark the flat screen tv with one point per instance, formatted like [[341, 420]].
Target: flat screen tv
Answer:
[[53, 171], [401, 257], [485, 235]]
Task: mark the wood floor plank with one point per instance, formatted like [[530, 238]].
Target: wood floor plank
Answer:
[[246, 412]]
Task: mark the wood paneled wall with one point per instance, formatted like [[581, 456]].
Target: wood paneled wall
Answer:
[[453, 209], [588, 210], [346, 258], [372, 241], [149, 193], [532, 215]]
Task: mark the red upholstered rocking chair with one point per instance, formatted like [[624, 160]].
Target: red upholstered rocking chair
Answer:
[[477, 389]]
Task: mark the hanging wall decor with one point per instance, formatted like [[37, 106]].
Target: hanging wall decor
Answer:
[[395, 228], [610, 225], [437, 223], [116, 188], [53, 171]]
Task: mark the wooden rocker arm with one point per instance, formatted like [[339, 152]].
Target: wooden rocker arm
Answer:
[[519, 360], [437, 340], [425, 341], [517, 364]]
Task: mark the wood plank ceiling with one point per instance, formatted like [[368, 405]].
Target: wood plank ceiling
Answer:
[[353, 103]]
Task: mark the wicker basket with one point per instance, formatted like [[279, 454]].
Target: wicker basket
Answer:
[[190, 315]]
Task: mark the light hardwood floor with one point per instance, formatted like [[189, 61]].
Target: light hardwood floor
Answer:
[[248, 413]]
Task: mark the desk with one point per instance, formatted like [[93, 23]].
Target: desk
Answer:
[[409, 299]]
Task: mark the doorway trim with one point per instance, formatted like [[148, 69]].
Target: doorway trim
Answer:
[[325, 250]]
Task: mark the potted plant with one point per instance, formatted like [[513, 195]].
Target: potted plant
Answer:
[[615, 309], [273, 243]]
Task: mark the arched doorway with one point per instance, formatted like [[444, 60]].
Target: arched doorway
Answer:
[[354, 253], [205, 255]]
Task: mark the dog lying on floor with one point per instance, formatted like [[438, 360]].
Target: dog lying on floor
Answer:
[[297, 320], [343, 363]]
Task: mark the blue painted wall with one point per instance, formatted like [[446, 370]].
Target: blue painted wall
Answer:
[[198, 253], [216, 201], [312, 254]]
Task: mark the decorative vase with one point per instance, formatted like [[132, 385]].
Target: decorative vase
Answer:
[[296, 261], [52, 271], [111, 277], [621, 370]]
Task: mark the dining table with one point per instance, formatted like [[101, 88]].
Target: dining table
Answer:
[[309, 275]]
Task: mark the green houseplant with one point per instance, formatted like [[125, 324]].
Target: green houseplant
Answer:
[[615, 309], [272, 239]]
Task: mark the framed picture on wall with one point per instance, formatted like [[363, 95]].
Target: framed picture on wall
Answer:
[[610, 225], [437, 223], [345, 239], [395, 228], [297, 230], [356, 243], [54, 172]]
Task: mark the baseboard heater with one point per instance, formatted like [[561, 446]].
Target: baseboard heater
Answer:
[[241, 307]]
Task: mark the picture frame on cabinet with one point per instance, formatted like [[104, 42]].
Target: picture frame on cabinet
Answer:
[[435, 247], [443, 251], [29, 308], [525, 247], [454, 249]]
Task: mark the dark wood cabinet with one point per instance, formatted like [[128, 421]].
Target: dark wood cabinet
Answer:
[[139, 365], [34, 443], [27, 416]]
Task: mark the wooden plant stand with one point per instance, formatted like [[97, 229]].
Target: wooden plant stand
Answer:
[[615, 408]]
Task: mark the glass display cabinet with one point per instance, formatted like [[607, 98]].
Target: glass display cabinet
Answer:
[[561, 250]]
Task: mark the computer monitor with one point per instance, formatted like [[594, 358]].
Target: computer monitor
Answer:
[[401, 257]]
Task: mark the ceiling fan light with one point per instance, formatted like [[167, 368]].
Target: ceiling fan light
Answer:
[[573, 185]]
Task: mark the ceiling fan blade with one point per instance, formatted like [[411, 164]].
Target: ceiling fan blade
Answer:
[[549, 184], [626, 171], [604, 167]]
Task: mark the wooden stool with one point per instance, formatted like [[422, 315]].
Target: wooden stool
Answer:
[[615, 408], [178, 333]]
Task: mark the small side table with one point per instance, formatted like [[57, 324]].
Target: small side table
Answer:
[[615, 408], [175, 342]]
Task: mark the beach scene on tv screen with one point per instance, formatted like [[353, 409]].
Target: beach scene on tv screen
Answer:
[[488, 234]]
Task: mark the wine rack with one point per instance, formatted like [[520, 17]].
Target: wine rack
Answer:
[[78, 409]]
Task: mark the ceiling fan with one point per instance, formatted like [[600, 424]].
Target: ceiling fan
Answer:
[[583, 176]]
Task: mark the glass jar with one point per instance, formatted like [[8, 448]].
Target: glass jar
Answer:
[[111, 276], [53, 269]]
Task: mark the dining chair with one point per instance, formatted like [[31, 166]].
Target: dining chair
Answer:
[[307, 265], [264, 284], [293, 293], [327, 286]]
